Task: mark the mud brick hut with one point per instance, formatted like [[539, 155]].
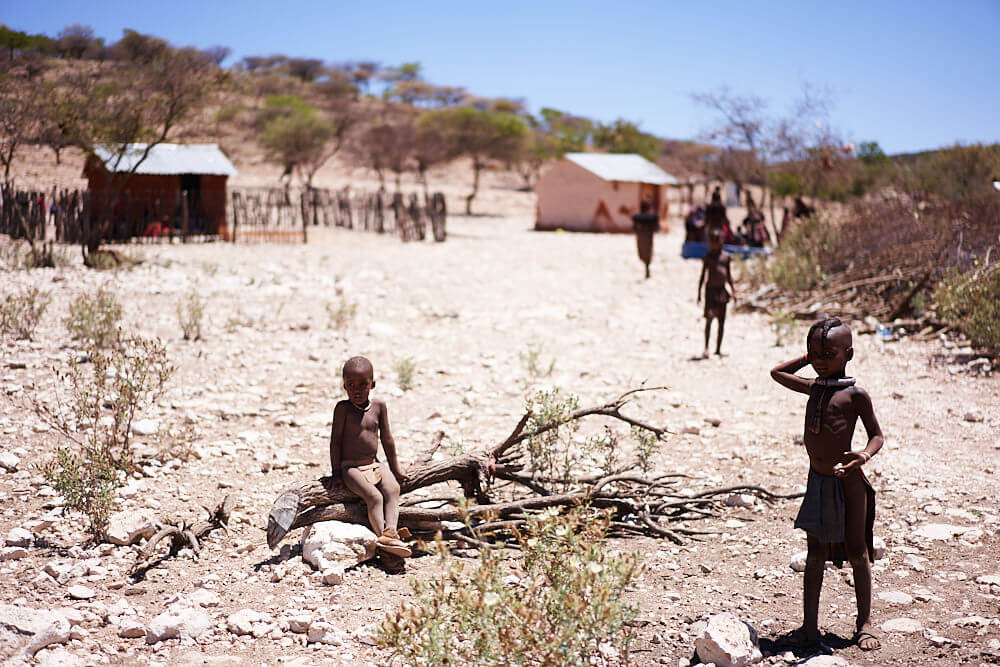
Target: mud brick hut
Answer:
[[599, 192], [177, 190]]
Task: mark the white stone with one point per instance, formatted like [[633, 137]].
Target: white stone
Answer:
[[178, 621], [40, 627], [80, 592], [988, 579], [727, 642], [692, 428], [903, 625], [330, 544], [974, 416], [299, 621], [19, 537], [322, 632], [9, 461], [798, 561], [823, 661], [131, 627], [145, 426], [63, 570], [12, 553], [204, 598], [58, 657], [243, 621], [895, 597], [125, 528], [971, 622], [333, 575], [939, 531], [367, 634]]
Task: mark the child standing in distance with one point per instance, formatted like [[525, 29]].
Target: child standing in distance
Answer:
[[358, 425], [715, 267], [838, 511]]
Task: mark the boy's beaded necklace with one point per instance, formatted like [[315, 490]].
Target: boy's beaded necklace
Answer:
[[816, 422]]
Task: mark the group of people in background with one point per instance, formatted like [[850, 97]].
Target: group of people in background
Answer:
[[752, 232]]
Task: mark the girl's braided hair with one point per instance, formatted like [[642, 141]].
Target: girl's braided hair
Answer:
[[823, 326]]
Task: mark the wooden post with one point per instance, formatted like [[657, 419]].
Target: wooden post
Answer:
[[184, 216], [235, 214], [304, 203]]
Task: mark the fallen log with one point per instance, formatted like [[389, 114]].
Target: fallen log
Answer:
[[627, 493], [300, 505]]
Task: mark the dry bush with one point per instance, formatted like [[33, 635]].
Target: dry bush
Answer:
[[104, 396], [94, 317], [20, 313], [190, 313], [889, 250], [559, 603], [970, 301], [406, 369]]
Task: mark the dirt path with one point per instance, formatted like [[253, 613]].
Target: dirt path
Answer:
[[259, 391]]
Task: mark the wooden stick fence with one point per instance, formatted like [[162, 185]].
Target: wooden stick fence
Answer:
[[272, 215]]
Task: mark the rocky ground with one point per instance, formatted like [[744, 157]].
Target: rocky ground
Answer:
[[258, 392]]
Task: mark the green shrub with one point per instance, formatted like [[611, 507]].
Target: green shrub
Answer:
[[798, 262], [341, 313], [566, 608], [405, 369], [647, 446], [531, 357], [970, 302], [21, 313], [553, 453], [190, 312], [783, 325], [94, 318], [104, 397]]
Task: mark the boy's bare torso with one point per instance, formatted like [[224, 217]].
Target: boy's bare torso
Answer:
[[717, 268], [360, 434], [832, 410]]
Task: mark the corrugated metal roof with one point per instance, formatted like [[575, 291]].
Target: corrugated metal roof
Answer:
[[170, 159], [624, 167]]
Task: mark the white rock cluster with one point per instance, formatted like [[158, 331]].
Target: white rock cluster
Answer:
[[332, 547]]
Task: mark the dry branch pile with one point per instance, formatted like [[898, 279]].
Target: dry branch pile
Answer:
[[640, 504], [184, 534], [878, 258]]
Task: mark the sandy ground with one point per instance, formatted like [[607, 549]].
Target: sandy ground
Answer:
[[260, 388]]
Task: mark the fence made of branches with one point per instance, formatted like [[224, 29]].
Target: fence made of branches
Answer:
[[285, 215], [272, 215]]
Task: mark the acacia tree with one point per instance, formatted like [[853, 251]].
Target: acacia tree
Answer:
[[123, 109], [623, 136], [552, 134], [296, 137], [20, 122], [743, 131], [388, 145], [484, 136]]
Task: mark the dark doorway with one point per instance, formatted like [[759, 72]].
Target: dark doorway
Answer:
[[191, 189]]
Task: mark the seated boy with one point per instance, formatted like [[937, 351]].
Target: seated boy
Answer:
[[358, 425], [715, 274], [838, 511]]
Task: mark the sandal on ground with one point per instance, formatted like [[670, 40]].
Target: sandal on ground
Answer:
[[864, 640], [389, 541]]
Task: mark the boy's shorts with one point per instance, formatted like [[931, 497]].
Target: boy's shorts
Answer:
[[372, 471], [716, 299]]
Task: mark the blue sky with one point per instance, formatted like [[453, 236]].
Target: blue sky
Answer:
[[911, 75]]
